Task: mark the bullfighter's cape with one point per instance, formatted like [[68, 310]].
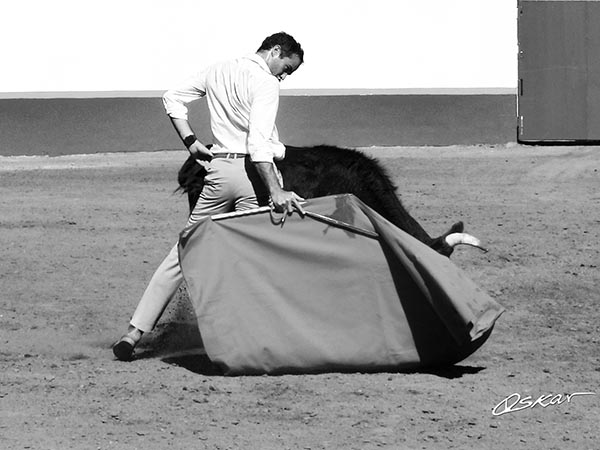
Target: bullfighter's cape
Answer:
[[339, 289]]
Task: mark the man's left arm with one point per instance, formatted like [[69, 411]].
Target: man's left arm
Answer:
[[263, 147], [283, 200]]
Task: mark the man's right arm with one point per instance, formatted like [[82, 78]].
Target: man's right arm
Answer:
[[195, 147], [175, 102]]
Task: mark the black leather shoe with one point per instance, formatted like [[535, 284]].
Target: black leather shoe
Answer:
[[123, 349]]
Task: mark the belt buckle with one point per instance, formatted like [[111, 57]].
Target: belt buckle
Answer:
[[230, 155]]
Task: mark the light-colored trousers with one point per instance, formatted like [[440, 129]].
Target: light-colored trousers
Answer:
[[230, 185]]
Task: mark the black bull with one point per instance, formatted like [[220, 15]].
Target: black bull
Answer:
[[325, 170]]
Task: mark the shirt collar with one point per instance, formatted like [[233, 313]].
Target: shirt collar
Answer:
[[260, 61]]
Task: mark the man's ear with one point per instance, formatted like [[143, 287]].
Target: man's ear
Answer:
[[276, 51]]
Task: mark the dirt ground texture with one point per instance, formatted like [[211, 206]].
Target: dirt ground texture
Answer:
[[81, 235]]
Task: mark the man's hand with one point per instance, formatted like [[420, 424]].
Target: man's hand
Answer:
[[287, 201], [196, 149], [200, 152], [283, 201]]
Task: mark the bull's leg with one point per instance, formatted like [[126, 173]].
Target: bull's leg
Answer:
[[191, 180], [192, 200]]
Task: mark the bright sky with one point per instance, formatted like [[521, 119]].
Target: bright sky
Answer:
[[135, 45]]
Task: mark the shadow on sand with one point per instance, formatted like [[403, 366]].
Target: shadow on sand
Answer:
[[176, 340], [199, 363]]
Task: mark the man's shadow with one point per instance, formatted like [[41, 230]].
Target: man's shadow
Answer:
[[176, 339]]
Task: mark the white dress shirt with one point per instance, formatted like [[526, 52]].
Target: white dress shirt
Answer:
[[243, 99]]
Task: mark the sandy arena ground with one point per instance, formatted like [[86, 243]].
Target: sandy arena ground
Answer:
[[81, 235]]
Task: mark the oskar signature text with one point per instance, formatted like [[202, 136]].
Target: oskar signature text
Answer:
[[515, 402]]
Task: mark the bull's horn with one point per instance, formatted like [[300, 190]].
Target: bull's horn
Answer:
[[454, 239]]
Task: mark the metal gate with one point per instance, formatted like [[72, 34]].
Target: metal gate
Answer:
[[559, 71]]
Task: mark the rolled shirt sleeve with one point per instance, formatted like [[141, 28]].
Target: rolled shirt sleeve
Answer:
[[176, 100], [263, 139]]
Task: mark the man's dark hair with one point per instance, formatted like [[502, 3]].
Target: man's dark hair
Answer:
[[289, 45]]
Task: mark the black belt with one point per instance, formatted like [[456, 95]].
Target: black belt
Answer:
[[230, 155]]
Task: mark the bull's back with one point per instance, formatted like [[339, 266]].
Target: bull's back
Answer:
[[324, 170]]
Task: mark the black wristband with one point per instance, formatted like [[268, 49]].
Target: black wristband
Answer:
[[189, 140]]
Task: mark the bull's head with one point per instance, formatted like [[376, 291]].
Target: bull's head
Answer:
[[454, 239], [455, 236]]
